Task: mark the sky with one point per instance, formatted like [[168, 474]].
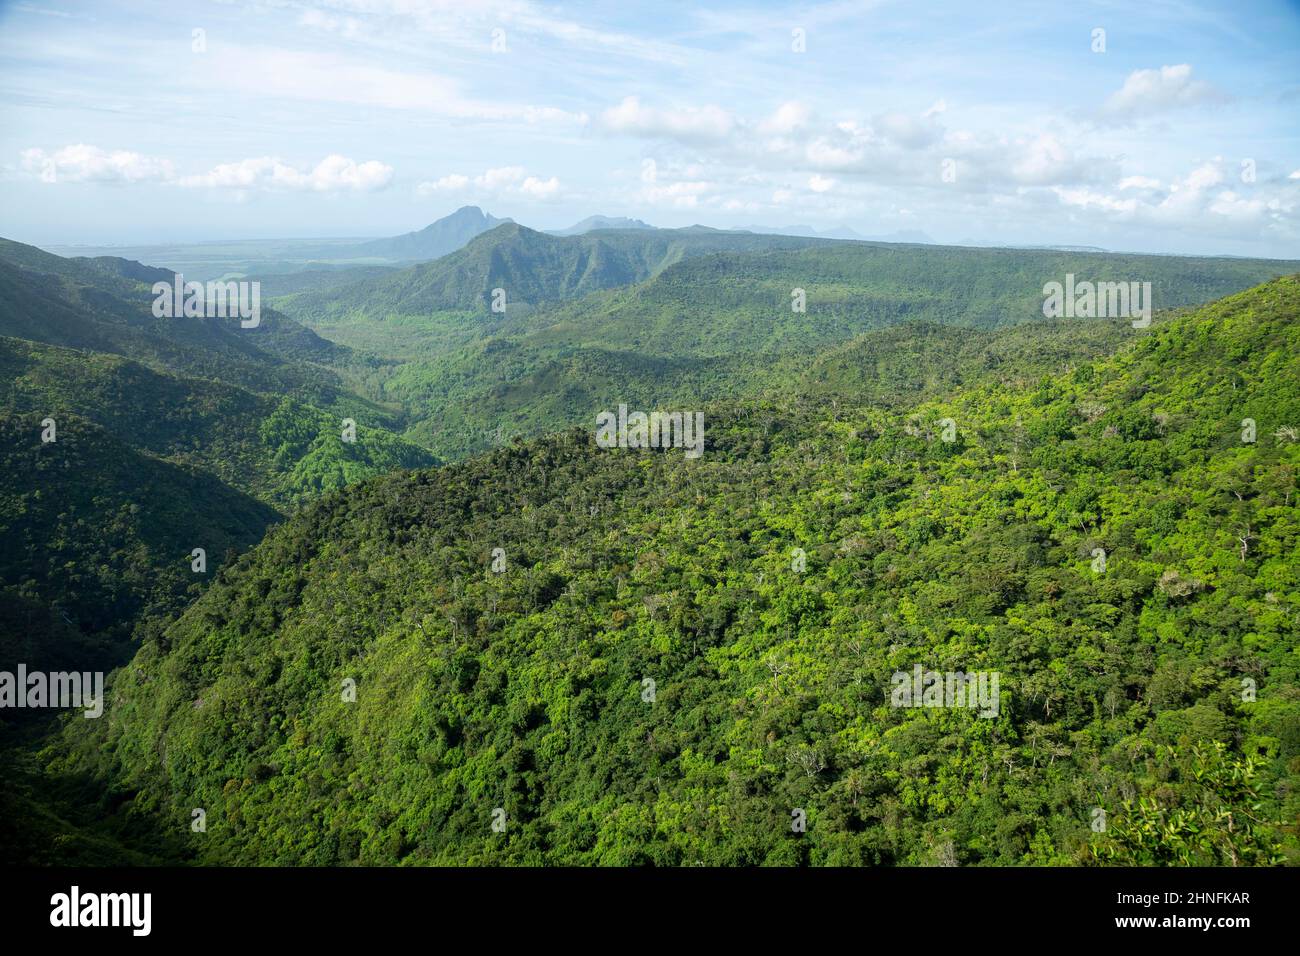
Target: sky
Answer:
[[1164, 126]]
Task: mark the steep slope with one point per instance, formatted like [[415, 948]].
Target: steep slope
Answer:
[[84, 304], [679, 658], [278, 450], [115, 273], [94, 534], [716, 304]]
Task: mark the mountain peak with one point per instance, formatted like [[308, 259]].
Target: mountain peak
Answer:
[[437, 239]]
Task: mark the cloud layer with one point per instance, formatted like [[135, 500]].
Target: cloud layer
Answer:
[[90, 164]]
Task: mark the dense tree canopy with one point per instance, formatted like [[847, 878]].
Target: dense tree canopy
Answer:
[[669, 660]]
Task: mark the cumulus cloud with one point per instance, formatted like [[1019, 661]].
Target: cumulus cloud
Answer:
[[787, 118], [895, 148], [1045, 159], [679, 188], [906, 130], [332, 174], [501, 181], [1150, 92], [1139, 182], [90, 164], [689, 124], [540, 188], [681, 194], [1203, 199]]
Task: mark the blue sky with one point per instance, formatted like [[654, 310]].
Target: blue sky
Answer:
[[120, 124]]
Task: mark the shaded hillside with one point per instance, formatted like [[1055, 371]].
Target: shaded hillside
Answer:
[[77, 304], [717, 304], [94, 535], [281, 451]]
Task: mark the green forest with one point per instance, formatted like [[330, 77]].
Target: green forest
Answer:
[[465, 634]]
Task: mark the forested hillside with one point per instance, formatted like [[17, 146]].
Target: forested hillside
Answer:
[[669, 660], [488, 393], [279, 450], [149, 458], [94, 535], [81, 304], [677, 315], [532, 267]]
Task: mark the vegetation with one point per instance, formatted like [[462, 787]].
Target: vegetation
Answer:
[[681, 316], [148, 463], [94, 535], [1110, 538]]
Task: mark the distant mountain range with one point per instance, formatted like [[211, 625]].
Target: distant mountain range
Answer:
[[984, 244], [600, 222], [841, 232], [268, 259], [299, 265]]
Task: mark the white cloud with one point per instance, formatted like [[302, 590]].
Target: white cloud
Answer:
[[683, 194], [786, 119], [1085, 198], [540, 188], [500, 181], [454, 183], [689, 124], [1045, 160], [912, 132], [334, 173], [90, 164], [1199, 200], [1139, 182], [820, 184], [676, 186], [1148, 92]]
